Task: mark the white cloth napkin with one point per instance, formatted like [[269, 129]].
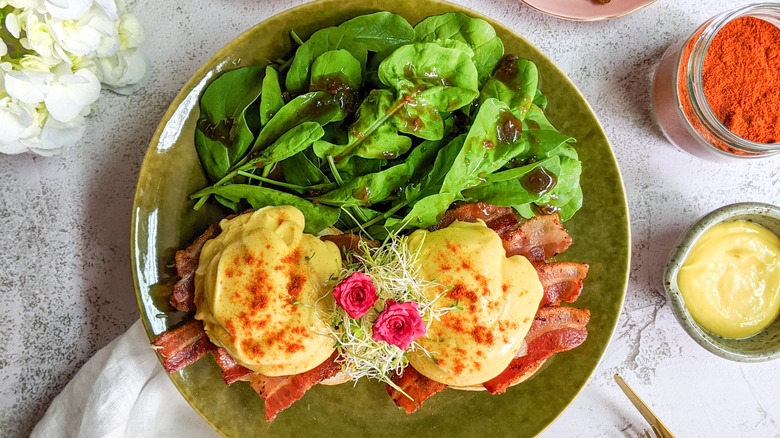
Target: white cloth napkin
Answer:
[[122, 391]]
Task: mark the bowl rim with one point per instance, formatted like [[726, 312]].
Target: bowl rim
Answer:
[[677, 256]]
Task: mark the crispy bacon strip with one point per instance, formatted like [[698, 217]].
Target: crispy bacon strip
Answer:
[[503, 224], [183, 295], [183, 345], [232, 371], [538, 238], [555, 329], [472, 211], [416, 385], [562, 281], [281, 392]]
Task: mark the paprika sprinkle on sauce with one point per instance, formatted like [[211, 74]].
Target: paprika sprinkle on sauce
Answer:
[[741, 78]]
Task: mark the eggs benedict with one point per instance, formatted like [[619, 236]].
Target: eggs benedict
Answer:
[[258, 286], [492, 300]]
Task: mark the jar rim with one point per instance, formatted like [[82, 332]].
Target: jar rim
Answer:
[[694, 75]]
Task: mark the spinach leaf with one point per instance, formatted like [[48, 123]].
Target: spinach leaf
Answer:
[[339, 65], [429, 74], [540, 99], [566, 196], [368, 189], [318, 217], [493, 140], [223, 136], [330, 38], [428, 205], [424, 213], [428, 79], [379, 31], [383, 142], [299, 170], [317, 106], [292, 142], [455, 44], [514, 83], [349, 221], [477, 33], [520, 185], [357, 166], [271, 100]]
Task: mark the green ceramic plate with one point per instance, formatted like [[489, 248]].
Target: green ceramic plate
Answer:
[[163, 220]]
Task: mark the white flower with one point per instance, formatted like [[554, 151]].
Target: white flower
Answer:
[[69, 47], [56, 135], [40, 38], [84, 36], [69, 93], [131, 31], [28, 86], [37, 63], [67, 9], [124, 72], [15, 123]]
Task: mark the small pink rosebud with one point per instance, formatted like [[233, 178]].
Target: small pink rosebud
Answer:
[[399, 324], [356, 294]]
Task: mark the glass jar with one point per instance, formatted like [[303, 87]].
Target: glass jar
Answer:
[[679, 103]]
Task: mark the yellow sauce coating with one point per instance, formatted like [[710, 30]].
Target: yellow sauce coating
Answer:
[[497, 299], [257, 286], [730, 280]]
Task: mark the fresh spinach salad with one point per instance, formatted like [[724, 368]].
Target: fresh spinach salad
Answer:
[[374, 126]]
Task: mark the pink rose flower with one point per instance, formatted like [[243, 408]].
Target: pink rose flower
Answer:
[[399, 324], [356, 294]]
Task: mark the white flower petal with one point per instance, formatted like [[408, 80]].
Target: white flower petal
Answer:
[[14, 120], [34, 5], [85, 36], [128, 68], [67, 9], [12, 25], [3, 48], [70, 93], [27, 86], [16, 124], [39, 37], [56, 135], [131, 31], [109, 7], [12, 147]]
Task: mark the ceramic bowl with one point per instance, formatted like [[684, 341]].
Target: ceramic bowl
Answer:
[[761, 347]]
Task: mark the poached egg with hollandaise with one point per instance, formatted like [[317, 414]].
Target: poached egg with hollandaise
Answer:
[[492, 300], [258, 286]]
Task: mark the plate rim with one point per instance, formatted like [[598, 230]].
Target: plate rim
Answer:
[[577, 18]]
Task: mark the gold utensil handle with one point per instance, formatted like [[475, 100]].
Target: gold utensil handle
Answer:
[[658, 427]]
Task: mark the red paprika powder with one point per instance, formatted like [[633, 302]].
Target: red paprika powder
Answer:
[[741, 78]]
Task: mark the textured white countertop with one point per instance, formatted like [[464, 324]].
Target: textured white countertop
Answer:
[[65, 283]]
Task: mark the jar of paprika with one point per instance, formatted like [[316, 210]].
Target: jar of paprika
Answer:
[[716, 92]]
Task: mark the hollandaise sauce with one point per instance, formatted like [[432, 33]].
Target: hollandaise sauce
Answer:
[[258, 286], [730, 280], [492, 300]]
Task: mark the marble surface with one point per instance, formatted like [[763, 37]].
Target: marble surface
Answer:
[[65, 283]]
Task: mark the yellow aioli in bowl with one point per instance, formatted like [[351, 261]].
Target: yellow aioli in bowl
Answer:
[[730, 281]]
